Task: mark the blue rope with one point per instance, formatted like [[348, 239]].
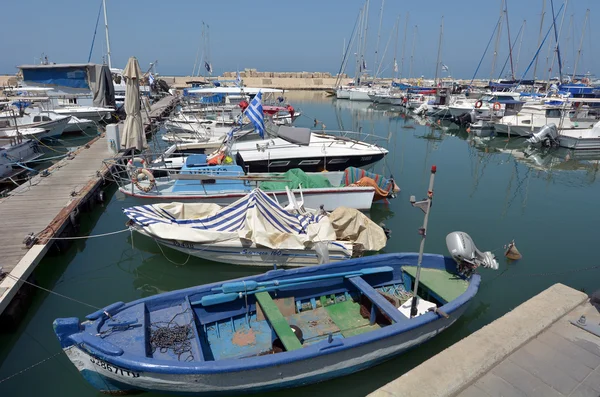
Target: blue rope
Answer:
[[95, 30], [556, 40], [484, 52], [540, 47], [512, 47]]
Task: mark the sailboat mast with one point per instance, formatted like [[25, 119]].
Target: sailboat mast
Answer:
[[378, 36], [522, 30], [437, 63], [557, 39], [539, 39], [404, 45], [364, 45], [587, 14], [412, 54], [359, 44], [510, 54], [107, 38], [395, 75], [498, 33]]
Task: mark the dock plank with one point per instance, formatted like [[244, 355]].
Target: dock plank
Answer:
[[42, 205]]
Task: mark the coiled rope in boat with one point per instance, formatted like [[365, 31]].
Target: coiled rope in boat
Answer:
[[170, 335]]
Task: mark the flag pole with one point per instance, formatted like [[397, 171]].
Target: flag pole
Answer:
[[424, 205]]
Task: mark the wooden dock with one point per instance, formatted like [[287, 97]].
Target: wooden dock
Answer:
[[534, 350], [46, 206]]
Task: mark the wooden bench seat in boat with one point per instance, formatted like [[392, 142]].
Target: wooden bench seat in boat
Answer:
[[278, 322], [377, 299]]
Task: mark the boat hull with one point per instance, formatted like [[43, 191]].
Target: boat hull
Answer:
[[312, 164], [579, 143], [256, 256], [359, 198], [334, 362], [358, 95]]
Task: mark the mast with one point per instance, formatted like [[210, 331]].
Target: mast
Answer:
[[498, 32], [202, 41], [512, 68], [378, 36], [557, 38], [107, 38], [539, 39], [404, 45], [412, 54], [522, 30], [359, 43], [395, 75], [437, 63], [587, 14], [364, 44]]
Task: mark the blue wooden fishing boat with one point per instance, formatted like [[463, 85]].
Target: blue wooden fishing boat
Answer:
[[281, 329]]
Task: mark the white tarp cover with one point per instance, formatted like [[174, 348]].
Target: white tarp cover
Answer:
[[352, 225], [133, 135], [255, 218]]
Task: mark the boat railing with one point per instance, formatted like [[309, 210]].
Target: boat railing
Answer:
[[124, 169], [361, 137]]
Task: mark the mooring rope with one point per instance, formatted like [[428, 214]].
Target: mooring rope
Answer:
[[30, 367], [53, 292], [90, 236]]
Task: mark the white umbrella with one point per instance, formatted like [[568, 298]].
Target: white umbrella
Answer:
[[133, 133]]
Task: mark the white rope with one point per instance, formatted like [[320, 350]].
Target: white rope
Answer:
[[94, 236], [167, 258], [52, 292], [30, 367]]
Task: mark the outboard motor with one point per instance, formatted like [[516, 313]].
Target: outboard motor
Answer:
[[468, 118], [547, 134], [421, 109], [467, 256]]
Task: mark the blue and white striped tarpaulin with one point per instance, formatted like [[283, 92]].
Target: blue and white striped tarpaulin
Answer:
[[229, 219]]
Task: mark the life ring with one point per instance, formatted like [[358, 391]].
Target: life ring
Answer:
[[478, 104], [136, 180], [134, 160], [497, 106]]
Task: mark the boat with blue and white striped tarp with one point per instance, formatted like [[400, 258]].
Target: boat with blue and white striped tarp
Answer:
[[280, 329], [256, 230]]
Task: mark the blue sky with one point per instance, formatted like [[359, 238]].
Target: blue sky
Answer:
[[304, 35]]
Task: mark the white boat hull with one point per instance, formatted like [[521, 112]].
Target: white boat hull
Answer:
[[358, 95], [258, 256], [359, 198], [577, 143], [93, 115]]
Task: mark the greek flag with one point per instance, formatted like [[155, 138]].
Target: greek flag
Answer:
[[255, 113], [208, 67], [395, 66], [150, 79], [238, 79], [444, 68]]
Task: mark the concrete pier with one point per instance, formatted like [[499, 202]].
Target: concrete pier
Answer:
[[533, 350]]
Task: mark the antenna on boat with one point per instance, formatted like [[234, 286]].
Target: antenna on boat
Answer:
[[424, 205]]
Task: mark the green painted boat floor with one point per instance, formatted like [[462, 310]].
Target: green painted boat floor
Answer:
[[278, 322], [346, 315], [447, 286]]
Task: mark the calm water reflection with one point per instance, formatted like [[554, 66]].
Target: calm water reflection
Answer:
[[494, 189]]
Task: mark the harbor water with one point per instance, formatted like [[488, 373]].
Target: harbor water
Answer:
[[496, 190]]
